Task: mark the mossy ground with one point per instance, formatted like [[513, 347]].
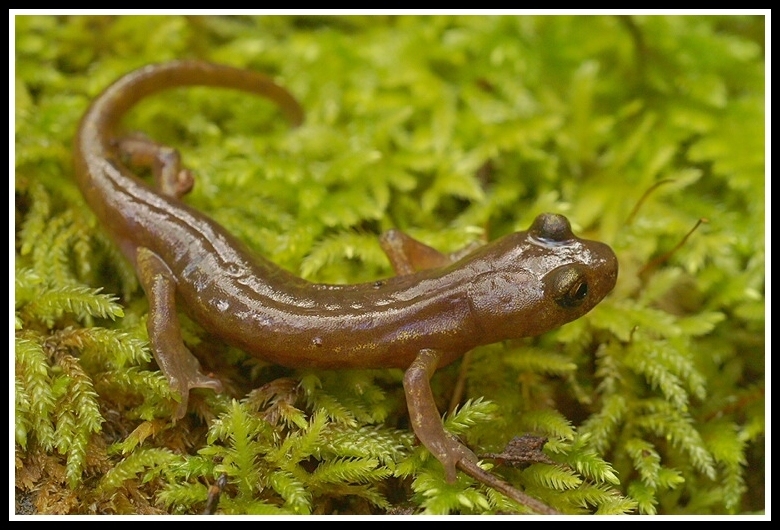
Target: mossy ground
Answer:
[[452, 129]]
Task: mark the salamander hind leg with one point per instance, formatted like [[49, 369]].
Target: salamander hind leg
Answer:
[[179, 365], [165, 162]]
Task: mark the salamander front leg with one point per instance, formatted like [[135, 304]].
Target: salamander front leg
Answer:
[[177, 362], [408, 255], [425, 418], [428, 427]]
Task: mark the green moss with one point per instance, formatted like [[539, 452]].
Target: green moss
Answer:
[[453, 129]]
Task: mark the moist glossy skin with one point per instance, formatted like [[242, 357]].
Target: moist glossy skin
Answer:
[[521, 285]]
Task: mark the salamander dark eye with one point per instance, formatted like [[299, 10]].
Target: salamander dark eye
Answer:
[[570, 286], [550, 227]]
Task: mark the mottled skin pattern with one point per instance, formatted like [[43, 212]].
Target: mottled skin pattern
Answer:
[[437, 308]]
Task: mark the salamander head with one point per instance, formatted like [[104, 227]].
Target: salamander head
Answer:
[[540, 279]]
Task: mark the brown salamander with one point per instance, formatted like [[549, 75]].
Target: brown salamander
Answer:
[[436, 309]]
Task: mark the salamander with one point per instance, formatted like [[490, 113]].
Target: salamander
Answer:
[[436, 308]]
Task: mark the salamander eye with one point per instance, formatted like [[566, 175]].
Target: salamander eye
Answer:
[[570, 286], [551, 228]]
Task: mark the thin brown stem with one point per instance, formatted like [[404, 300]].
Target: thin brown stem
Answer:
[[473, 470], [460, 384], [650, 267], [644, 197]]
